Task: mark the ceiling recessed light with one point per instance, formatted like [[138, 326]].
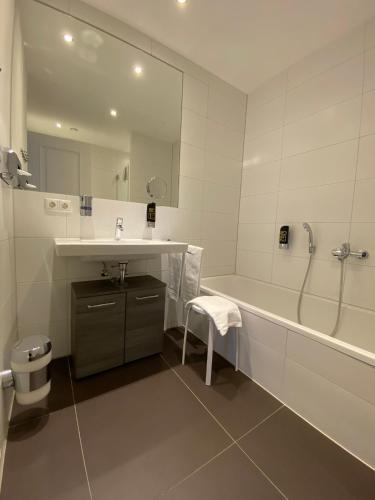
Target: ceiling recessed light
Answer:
[[113, 112], [138, 69], [68, 38], [58, 125], [181, 2]]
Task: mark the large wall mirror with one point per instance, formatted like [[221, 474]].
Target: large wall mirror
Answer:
[[102, 117]]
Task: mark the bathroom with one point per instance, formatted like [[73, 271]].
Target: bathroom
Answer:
[[158, 152]]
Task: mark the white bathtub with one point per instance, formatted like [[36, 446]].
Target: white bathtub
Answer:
[[328, 381]]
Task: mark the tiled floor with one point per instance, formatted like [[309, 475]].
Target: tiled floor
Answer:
[[153, 430]]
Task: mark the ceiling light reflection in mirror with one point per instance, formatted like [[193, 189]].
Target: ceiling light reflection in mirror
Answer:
[[118, 108]]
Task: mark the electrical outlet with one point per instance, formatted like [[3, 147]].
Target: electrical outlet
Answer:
[[57, 207], [65, 206]]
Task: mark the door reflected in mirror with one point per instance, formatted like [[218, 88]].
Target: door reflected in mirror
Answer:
[[102, 117]]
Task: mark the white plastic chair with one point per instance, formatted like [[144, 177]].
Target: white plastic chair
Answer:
[[210, 344]]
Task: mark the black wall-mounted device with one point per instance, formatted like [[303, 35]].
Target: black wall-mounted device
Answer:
[[284, 237], [151, 214]]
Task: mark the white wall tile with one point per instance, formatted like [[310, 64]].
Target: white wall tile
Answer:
[[260, 208], [222, 170], [362, 235], [226, 105], [370, 33], [323, 279], [256, 237], [193, 128], [366, 155], [328, 203], [339, 84], [37, 260], [360, 286], [217, 226], [333, 125], [327, 165], [37, 302], [192, 161], [326, 57], [264, 117], [368, 114], [224, 141], [364, 201], [30, 218], [263, 149], [190, 196], [218, 254], [257, 179], [369, 82], [220, 198], [257, 265], [195, 95]]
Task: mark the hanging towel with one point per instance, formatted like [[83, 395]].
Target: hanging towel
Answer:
[[174, 275], [224, 313], [191, 276]]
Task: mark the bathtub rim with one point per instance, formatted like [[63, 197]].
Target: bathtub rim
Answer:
[[339, 345]]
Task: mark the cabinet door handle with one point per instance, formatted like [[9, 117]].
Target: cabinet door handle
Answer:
[[98, 306], [147, 297]]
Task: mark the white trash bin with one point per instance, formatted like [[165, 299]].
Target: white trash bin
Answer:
[[29, 362]]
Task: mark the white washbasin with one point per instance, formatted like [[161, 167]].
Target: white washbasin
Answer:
[[107, 249]]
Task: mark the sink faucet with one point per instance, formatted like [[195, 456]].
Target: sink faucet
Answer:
[[119, 228]]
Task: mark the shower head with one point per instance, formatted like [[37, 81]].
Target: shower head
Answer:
[[307, 228]]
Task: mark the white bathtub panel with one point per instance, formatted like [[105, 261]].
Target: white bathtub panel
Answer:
[[262, 364], [263, 331], [345, 371], [341, 415]]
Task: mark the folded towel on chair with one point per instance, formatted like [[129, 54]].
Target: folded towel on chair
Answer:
[[224, 313]]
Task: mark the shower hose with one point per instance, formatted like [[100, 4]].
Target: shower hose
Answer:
[[335, 328]]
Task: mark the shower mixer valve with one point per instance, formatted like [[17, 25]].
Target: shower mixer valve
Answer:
[[344, 252]]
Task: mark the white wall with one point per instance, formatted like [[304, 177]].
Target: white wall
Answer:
[[309, 156], [8, 329], [213, 120]]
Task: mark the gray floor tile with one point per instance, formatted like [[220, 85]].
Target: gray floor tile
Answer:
[[60, 396], [229, 476], [235, 400], [304, 464], [145, 435], [44, 460]]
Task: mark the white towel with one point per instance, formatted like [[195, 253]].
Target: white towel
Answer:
[[174, 275], [224, 313], [192, 273]]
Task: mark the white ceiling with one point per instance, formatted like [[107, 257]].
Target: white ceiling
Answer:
[[245, 42]]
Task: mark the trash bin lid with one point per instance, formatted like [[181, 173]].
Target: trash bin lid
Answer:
[[30, 348]]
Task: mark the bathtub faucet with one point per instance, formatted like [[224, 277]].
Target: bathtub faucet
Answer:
[[344, 252]]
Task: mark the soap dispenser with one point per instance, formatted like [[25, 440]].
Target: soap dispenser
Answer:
[[151, 214]]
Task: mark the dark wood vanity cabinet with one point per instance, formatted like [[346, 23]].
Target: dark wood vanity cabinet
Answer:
[[113, 325]]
